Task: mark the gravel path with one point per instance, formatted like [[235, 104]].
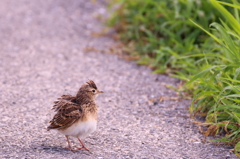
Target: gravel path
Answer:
[[42, 57]]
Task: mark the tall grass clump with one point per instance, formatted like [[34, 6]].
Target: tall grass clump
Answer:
[[217, 93], [162, 34]]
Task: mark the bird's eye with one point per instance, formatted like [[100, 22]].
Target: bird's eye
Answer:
[[93, 90]]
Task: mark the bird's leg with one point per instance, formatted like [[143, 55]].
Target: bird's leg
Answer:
[[69, 145], [83, 147]]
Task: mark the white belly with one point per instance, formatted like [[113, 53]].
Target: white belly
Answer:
[[81, 129]]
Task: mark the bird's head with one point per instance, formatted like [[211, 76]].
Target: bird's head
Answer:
[[90, 89]]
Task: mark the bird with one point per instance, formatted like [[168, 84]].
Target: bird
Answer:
[[76, 116]]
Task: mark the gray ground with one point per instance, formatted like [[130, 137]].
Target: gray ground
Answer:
[[42, 57]]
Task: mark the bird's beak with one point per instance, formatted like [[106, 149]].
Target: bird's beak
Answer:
[[100, 91]]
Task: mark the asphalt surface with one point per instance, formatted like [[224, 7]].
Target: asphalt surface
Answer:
[[43, 55]]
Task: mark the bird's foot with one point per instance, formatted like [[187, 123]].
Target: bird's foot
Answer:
[[82, 148]]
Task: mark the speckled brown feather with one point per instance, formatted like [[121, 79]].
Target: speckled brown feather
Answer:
[[64, 100], [67, 114]]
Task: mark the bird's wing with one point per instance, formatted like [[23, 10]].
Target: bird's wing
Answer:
[[67, 114]]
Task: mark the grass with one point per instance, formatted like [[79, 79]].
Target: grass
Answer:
[[217, 92], [196, 41], [162, 33]]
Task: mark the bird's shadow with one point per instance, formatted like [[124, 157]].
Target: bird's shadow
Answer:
[[47, 148]]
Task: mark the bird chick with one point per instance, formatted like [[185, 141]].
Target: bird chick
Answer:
[[76, 115]]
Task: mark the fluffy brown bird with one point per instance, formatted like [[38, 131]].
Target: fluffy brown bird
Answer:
[[76, 115]]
